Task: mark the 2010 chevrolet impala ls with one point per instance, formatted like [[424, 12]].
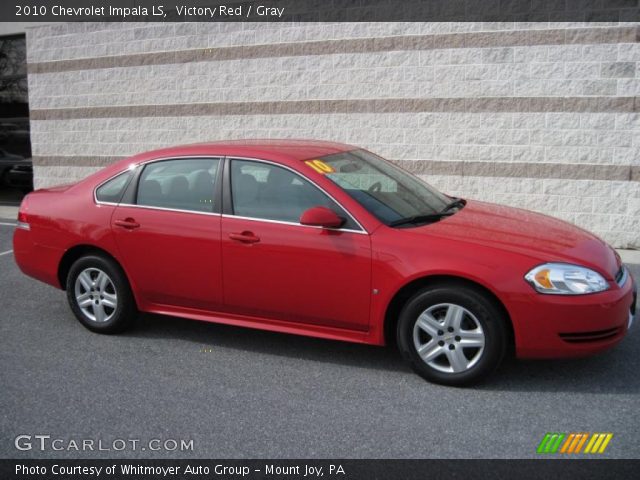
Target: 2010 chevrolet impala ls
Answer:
[[327, 240]]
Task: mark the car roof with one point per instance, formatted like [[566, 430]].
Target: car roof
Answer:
[[268, 149]]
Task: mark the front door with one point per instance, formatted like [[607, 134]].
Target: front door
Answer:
[[273, 267]]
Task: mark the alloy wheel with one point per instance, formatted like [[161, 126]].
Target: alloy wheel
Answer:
[[448, 338], [96, 295]]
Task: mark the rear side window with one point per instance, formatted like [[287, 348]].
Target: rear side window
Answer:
[[184, 184], [112, 191]]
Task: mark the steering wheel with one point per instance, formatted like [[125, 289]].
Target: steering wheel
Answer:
[[376, 187]]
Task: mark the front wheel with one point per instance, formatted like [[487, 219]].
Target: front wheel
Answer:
[[452, 335], [99, 295]]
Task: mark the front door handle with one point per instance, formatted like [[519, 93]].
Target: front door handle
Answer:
[[128, 223], [244, 237]]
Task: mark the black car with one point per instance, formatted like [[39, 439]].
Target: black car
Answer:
[[15, 171]]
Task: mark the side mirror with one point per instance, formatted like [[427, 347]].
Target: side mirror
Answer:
[[321, 217]]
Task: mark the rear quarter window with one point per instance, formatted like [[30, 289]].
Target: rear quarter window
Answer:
[[112, 191]]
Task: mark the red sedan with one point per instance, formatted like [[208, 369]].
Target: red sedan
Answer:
[[327, 240]]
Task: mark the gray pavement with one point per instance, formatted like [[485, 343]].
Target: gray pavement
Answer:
[[8, 212], [244, 393]]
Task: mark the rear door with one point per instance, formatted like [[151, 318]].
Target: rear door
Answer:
[[169, 233], [274, 267]]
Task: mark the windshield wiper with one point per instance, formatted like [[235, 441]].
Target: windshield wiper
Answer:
[[445, 212], [456, 203], [420, 218]]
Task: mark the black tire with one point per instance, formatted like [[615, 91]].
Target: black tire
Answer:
[[114, 320], [478, 310]]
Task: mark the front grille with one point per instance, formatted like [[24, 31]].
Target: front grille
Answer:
[[585, 337]]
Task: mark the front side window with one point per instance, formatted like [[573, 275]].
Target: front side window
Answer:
[[112, 190], [387, 192], [181, 184], [266, 191]]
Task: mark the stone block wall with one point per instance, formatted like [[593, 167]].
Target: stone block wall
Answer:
[[544, 116]]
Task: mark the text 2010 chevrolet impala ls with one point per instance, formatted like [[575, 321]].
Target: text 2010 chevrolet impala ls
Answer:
[[327, 240]]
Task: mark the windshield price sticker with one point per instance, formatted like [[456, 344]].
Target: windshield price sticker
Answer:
[[320, 167]]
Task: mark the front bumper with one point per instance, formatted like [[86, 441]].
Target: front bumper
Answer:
[[554, 326]]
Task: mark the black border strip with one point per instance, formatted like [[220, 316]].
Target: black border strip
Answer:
[[585, 467], [344, 11]]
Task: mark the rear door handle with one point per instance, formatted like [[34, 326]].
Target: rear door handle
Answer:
[[128, 223], [244, 237]]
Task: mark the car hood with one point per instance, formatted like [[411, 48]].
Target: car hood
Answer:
[[543, 238]]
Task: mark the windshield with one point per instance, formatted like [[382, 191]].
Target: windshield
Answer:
[[386, 191]]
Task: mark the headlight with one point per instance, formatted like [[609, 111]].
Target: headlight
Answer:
[[565, 279]]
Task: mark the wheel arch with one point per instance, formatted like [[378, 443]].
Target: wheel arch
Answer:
[[394, 307], [76, 252]]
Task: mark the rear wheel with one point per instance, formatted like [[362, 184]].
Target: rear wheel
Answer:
[[451, 334], [99, 295]]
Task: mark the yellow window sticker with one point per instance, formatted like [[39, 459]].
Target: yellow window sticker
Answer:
[[320, 167]]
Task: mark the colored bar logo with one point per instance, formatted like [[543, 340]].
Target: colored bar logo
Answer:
[[574, 443]]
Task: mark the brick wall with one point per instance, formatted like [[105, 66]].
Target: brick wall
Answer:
[[543, 116]]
